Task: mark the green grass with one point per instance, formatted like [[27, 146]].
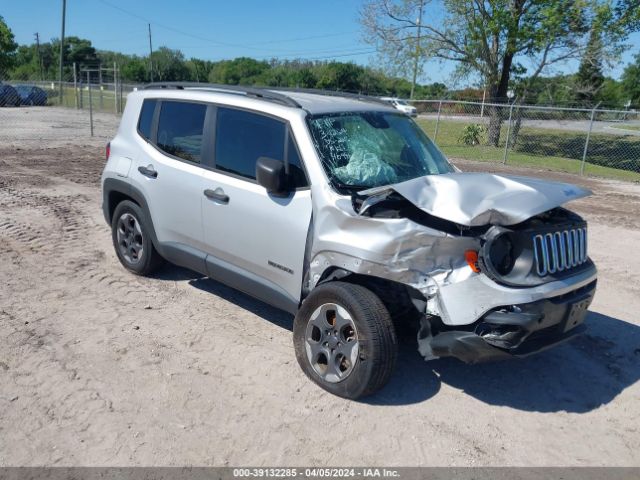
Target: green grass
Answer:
[[627, 127], [610, 156], [69, 99]]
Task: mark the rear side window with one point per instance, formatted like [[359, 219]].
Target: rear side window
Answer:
[[243, 137], [146, 118], [180, 127]]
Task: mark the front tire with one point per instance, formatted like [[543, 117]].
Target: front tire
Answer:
[[344, 340], [132, 239]]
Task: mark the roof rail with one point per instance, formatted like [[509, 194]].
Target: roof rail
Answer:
[[260, 93], [332, 93]]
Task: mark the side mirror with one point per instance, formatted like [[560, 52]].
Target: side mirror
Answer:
[[270, 173]]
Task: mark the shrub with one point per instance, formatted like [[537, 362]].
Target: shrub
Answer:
[[472, 134]]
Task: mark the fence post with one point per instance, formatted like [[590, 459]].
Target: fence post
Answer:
[[435, 134], [115, 88], [100, 86], [90, 102], [75, 85], [506, 143], [586, 143], [121, 106]]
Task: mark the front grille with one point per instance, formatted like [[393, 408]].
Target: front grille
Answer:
[[558, 251]]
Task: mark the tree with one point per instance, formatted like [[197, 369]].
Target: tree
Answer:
[[81, 52], [631, 81], [305, 78], [169, 65], [611, 94], [435, 90], [240, 71], [590, 78], [395, 28], [198, 69], [495, 38], [339, 76], [7, 49], [26, 63], [135, 70]]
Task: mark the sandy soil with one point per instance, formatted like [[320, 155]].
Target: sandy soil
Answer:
[[99, 367]]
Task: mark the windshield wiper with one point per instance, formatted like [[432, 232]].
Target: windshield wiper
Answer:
[[346, 186]]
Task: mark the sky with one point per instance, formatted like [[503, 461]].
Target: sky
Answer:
[[225, 29]]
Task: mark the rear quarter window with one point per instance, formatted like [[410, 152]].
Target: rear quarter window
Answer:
[[146, 118]]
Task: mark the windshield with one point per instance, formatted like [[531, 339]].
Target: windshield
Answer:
[[361, 150], [402, 102]]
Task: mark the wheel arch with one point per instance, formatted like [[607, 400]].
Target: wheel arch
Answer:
[[398, 297], [115, 191]]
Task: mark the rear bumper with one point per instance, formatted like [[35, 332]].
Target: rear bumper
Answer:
[[518, 330]]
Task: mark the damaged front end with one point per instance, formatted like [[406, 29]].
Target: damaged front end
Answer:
[[514, 330], [493, 264]]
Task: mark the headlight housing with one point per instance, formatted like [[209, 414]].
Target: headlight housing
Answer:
[[502, 253]]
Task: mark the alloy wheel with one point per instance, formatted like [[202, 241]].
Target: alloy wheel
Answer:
[[331, 342]]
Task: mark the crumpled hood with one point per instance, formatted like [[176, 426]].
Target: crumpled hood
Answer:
[[475, 199]]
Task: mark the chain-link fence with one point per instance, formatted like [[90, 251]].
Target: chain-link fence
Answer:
[[582, 141], [92, 98]]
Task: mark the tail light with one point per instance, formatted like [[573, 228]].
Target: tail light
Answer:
[[108, 150]]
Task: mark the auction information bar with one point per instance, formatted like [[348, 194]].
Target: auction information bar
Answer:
[[409, 473]]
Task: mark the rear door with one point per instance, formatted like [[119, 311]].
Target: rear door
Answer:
[[262, 236], [170, 171]]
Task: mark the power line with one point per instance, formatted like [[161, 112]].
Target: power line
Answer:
[[197, 37], [209, 40], [321, 57], [343, 55], [330, 51], [313, 37]]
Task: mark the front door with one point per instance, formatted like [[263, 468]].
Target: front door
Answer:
[[258, 234]]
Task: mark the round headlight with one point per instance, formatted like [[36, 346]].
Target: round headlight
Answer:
[[501, 254]]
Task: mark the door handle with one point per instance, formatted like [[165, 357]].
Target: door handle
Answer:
[[218, 195], [148, 171]]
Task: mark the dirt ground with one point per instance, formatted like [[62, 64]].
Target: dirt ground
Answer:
[[99, 367]]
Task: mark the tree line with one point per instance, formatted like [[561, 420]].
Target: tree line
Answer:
[[41, 62], [587, 87]]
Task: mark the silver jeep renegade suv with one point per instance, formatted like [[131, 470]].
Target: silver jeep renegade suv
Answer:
[[340, 210]]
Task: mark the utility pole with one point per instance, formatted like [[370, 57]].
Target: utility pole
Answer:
[[39, 56], [150, 53], [64, 14], [417, 58]]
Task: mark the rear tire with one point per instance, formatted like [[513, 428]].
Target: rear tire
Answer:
[[344, 340], [131, 237]]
